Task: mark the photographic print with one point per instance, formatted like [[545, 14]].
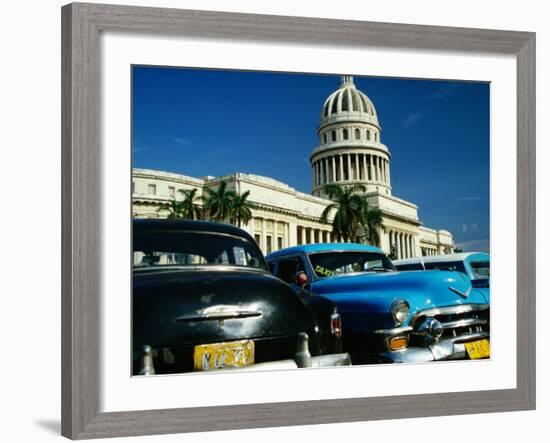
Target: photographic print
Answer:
[[286, 220]]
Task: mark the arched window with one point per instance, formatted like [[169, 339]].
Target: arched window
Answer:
[[357, 134], [354, 103], [368, 134], [376, 136], [345, 134], [334, 109], [345, 102], [325, 137], [333, 135]]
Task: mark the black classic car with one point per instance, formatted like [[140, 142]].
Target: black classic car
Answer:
[[203, 299]]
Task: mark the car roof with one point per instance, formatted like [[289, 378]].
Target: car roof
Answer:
[[460, 256], [322, 247], [142, 224]]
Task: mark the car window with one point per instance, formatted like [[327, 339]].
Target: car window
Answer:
[[287, 269], [327, 264], [481, 269], [410, 267], [447, 266], [184, 248]]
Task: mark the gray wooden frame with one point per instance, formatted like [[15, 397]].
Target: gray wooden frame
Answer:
[[81, 206]]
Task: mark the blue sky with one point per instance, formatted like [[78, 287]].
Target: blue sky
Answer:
[[210, 122]]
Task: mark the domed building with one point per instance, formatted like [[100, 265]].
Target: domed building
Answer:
[[350, 152]]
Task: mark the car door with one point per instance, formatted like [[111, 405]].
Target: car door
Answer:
[[322, 308]]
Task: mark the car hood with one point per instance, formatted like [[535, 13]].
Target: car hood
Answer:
[[179, 307], [365, 299]]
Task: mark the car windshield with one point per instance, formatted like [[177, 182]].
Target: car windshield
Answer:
[[184, 248], [480, 269], [327, 264]]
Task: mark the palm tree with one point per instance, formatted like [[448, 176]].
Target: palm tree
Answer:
[[189, 206], [173, 208], [372, 222], [348, 205], [240, 209], [218, 203]]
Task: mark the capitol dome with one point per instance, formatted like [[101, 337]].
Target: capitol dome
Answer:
[[347, 101], [350, 150]]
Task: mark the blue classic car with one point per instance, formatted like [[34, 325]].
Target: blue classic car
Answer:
[[476, 265], [390, 316]]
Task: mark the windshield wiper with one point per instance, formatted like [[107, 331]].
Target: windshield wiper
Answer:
[[380, 269]]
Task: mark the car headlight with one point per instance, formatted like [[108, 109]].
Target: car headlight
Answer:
[[400, 310]]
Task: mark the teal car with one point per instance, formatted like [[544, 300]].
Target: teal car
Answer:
[[388, 315], [476, 265]]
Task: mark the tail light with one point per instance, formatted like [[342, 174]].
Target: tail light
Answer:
[[336, 324]]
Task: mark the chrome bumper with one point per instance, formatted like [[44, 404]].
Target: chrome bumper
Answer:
[[443, 349]]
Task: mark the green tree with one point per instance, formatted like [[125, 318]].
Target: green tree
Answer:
[[348, 206], [173, 208], [240, 209], [189, 206], [218, 203], [371, 219]]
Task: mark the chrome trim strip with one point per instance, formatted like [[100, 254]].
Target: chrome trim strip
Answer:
[[394, 331], [448, 310], [463, 323], [459, 292], [218, 316]]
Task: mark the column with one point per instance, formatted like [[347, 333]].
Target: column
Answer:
[[371, 168], [326, 170], [349, 166], [317, 173], [365, 175], [333, 163], [321, 173], [262, 237], [341, 164], [357, 175], [388, 171], [398, 246]]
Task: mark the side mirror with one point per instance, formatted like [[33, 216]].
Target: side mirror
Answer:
[[301, 279]]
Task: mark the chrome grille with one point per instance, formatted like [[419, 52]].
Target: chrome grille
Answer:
[[461, 322]]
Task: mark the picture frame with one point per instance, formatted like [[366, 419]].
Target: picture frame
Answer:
[[82, 25]]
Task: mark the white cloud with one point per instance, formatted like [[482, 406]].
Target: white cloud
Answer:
[[412, 119], [469, 198]]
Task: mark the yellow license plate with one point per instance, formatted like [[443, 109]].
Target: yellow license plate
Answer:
[[235, 354], [478, 349]]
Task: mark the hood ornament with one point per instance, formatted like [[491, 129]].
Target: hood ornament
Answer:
[[464, 294]]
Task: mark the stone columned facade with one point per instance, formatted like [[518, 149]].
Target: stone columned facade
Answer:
[[350, 152]]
